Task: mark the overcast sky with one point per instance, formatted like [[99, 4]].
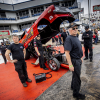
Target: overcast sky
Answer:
[[84, 3]]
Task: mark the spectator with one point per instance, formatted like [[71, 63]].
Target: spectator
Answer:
[[96, 36], [56, 39], [7, 44], [53, 40], [59, 35]]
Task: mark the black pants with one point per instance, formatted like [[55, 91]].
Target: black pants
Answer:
[[4, 57], [41, 60], [88, 47], [76, 81], [21, 67]]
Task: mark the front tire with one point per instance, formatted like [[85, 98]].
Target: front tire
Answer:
[[54, 64]]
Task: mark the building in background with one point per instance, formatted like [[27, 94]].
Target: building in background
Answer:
[[16, 18]]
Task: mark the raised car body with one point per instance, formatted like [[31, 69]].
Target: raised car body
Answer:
[[51, 18]]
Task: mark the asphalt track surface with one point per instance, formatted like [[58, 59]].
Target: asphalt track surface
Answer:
[[90, 77]]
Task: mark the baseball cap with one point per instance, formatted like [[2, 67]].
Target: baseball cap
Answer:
[[72, 25], [86, 27]]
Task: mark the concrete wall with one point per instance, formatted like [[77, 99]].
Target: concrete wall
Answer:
[[10, 15], [6, 6], [14, 27], [31, 4], [23, 5]]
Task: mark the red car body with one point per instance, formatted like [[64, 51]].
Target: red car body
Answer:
[[52, 17]]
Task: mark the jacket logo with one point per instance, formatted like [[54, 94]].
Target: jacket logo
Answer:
[[21, 47]]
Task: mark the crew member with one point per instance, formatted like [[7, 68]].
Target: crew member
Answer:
[[39, 49], [64, 35], [87, 36], [3, 50], [18, 53], [73, 51]]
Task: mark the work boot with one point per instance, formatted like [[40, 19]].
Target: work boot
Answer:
[[85, 58], [90, 60], [71, 88], [33, 63], [45, 68], [24, 84], [29, 80], [79, 96]]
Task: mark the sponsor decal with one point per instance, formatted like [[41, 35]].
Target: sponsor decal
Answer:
[[31, 33], [4, 32], [96, 8], [49, 11], [50, 17]]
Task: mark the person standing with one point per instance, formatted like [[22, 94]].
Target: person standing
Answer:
[[53, 40], [56, 39], [18, 53], [59, 35], [96, 36], [64, 35], [74, 53], [87, 36], [3, 50], [7, 44], [39, 49]]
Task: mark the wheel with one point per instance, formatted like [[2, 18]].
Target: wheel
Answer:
[[27, 56], [54, 64]]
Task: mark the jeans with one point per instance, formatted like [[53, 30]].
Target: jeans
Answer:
[[95, 40]]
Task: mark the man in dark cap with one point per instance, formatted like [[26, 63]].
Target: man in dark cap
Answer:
[[74, 53], [87, 36]]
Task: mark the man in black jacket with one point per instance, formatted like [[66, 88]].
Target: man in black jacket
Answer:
[[87, 36]]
